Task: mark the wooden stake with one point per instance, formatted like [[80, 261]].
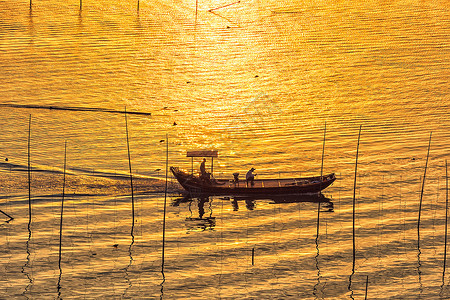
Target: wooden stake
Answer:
[[354, 198], [367, 284], [10, 218], [253, 256], [421, 192], [196, 10], [321, 173], [62, 205], [323, 148], [353, 225], [131, 174], [223, 6], [29, 174], [165, 204], [446, 220]]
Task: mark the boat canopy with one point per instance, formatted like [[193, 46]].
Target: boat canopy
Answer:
[[202, 153]]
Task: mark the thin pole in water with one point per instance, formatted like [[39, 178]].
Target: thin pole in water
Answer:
[[131, 175], [165, 204], [354, 199], [321, 174], [62, 204], [10, 218], [323, 148], [29, 173], [446, 220], [421, 192], [223, 6], [196, 10], [367, 284], [253, 256]]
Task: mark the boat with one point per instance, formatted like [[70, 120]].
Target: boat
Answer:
[[208, 185], [195, 184]]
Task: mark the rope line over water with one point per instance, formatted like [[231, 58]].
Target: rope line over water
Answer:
[[74, 108]]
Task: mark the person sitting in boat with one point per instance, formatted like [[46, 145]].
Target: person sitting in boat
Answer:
[[250, 176]]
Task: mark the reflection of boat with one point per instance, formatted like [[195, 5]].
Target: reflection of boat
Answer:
[[250, 201], [288, 186], [316, 198], [200, 223]]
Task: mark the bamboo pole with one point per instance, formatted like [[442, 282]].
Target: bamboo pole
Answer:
[[29, 174], [354, 197], [165, 205], [196, 11], [223, 6], [446, 220], [367, 284], [10, 218], [253, 256], [421, 192], [353, 215], [323, 148], [131, 174], [321, 174], [62, 205]]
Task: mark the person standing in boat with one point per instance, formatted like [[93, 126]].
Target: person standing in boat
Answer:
[[203, 167], [203, 174], [250, 176]]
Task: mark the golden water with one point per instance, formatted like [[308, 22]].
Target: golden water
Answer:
[[256, 81]]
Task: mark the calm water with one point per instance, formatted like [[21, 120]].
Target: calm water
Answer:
[[256, 81]]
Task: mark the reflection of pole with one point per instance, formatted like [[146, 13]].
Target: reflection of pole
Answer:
[[165, 204], [421, 192]]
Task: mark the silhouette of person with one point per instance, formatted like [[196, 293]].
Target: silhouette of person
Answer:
[[250, 176], [203, 168]]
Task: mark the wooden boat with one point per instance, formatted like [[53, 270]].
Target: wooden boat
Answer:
[[194, 184]]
